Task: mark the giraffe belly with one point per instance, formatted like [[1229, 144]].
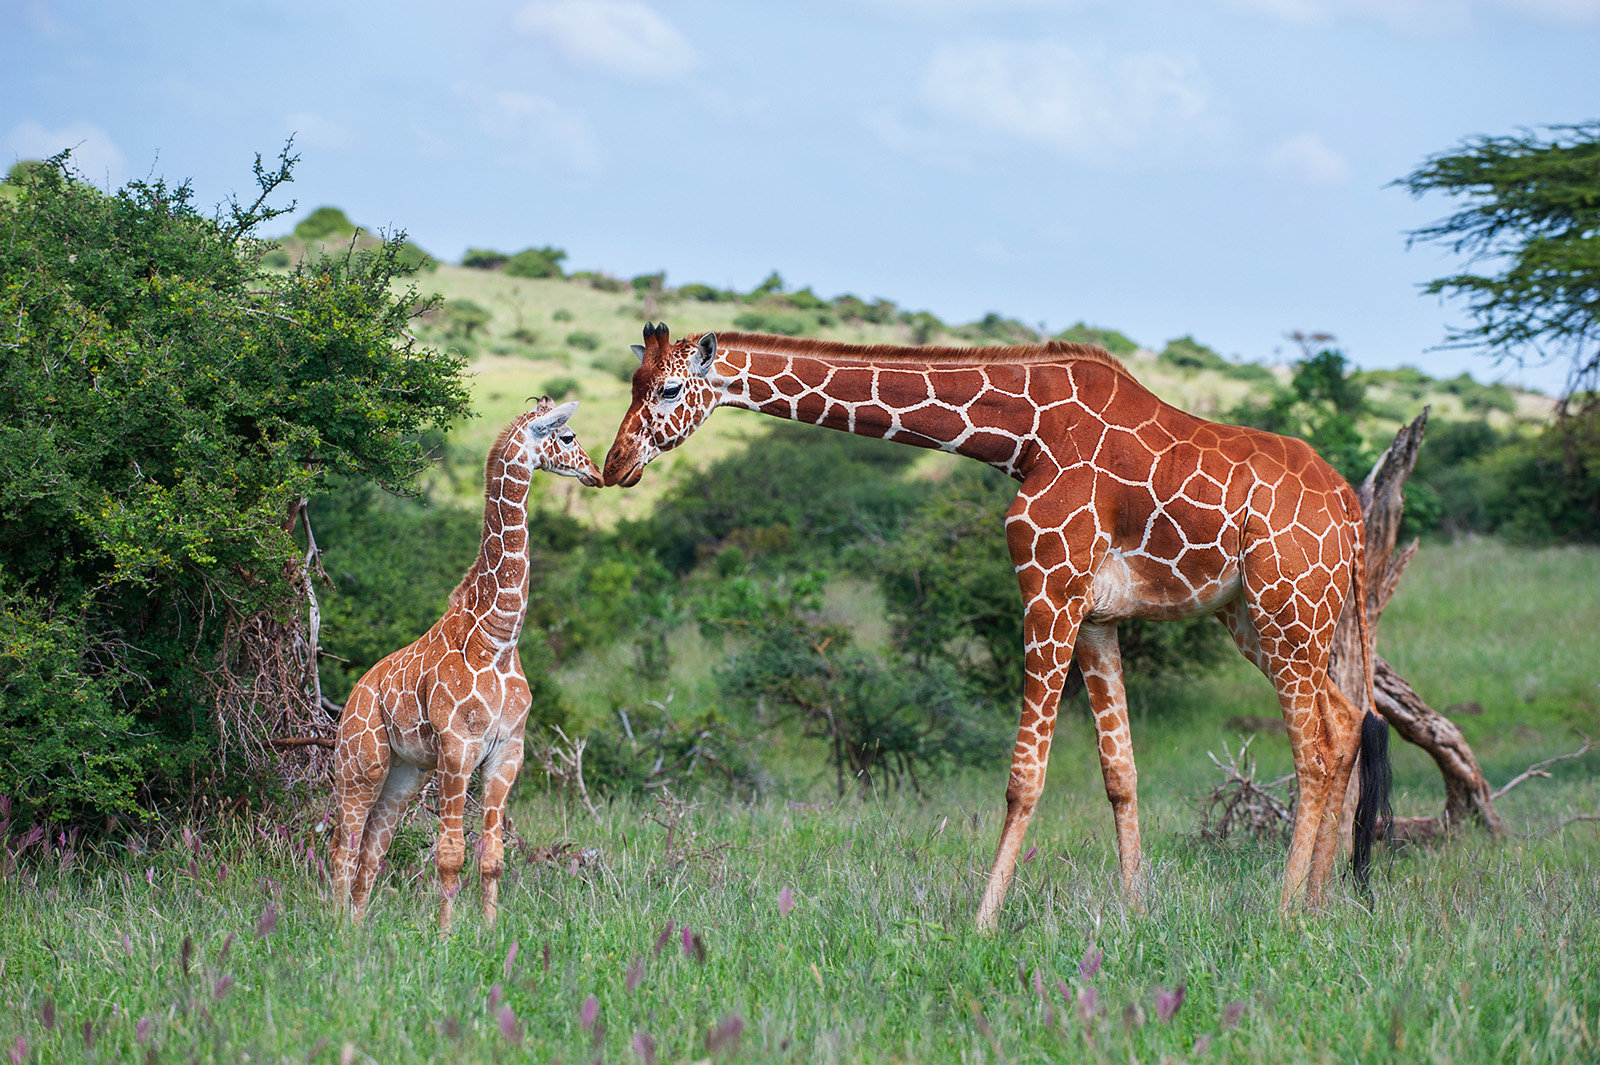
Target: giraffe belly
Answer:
[[1130, 585]]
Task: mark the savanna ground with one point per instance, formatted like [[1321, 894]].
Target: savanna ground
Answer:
[[801, 927]]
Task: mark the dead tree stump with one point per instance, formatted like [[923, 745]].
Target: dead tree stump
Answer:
[[1467, 794]]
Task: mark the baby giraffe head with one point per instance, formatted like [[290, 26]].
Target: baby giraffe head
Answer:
[[546, 442], [674, 389]]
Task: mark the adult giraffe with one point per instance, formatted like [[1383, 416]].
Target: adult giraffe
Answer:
[[1129, 508], [456, 698]]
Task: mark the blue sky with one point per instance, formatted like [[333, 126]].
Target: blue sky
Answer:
[[1216, 167]]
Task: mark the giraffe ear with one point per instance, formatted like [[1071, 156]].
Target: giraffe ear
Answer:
[[546, 424], [638, 351], [705, 353]]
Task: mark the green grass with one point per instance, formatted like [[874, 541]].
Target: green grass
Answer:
[[1471, 952]]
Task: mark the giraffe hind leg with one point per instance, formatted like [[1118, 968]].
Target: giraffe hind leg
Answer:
[[399, 788], [1342, 726], [1101, 661]]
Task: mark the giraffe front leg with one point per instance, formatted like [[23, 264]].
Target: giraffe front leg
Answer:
[[497, 781], [1048, 634], [360, 768], [456, 762], [1100, 658]]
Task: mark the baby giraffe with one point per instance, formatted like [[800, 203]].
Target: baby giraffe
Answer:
[[456, 699]]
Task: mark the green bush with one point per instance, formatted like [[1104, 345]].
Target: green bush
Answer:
[[561, 314], [994, 327], [924, 325], [852, 309], [484, 259], [779, 322], [324, 224], [463, 318], [600, 282], [649, 282], [164, 402], [1188, 354], [1114, 342], [535, 263], [559, 388], [583, 341], [620, 365], [705, 293]]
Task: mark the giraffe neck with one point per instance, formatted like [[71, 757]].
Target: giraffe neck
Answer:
[[966, 409], [495, 589]]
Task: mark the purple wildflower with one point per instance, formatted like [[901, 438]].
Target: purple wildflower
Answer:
[[185, 952], [511, 960], [1033, 852], [1090, 964], [1066, 992], [141, 1031], [496, 993], [693, 946], [665, 937], [88, 1035], [1038, 983], [267, 921], [1202, 1045], [227, 944], [220, 990], [18, 1051], [1088, 1005], [635, 976], [725, 1036], [510, 1030], [127, 945], [47, 1014], [589, 1013], [645, 1047], [1167, 1003], [785, 901], [1231, 1015]]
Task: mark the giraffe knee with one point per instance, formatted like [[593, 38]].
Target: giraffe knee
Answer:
[[451, 856]]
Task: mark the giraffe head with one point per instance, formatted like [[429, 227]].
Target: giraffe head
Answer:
[[674, 389], [546, 442]]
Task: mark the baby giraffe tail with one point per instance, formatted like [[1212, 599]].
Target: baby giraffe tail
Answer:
[[1373, 771]]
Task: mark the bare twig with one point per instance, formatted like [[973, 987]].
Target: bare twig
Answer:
[[1538, 769], [564, 765], [303, 741], [1239, 803]]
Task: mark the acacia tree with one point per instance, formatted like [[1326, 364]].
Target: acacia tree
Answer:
[[166, 406], [1531, 225]]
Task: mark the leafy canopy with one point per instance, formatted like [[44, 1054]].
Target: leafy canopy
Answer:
[[164, 403]]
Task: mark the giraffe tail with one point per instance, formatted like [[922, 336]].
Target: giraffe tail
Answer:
[[1373, 771]]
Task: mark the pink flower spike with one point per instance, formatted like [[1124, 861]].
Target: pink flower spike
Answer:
[[1038, 983], [47, 1014], [1088, 1003], [220, 991], [511, 960], [645, 1047], [127, 945], [141, 1031], [150, 876], [267, 921], [1090, 963], [725, 1036], [18, 1051], [665, 937], [1066, 992], [688, 942], [635, 976], [496, 993], [1033, 852], [1202, 1045], [510, 1030], [785, 901], [1168, 1002], [1231, 1015], [589, 1013]]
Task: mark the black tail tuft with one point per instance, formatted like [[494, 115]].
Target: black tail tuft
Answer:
[[1373, 805]]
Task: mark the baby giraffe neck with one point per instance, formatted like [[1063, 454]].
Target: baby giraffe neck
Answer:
[[495, 589]]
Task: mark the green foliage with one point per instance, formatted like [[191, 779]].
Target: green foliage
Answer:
[[883, 724], [1480, 398], [619, 364], [649, 282], [1533, 209], [1321, 406], [924, 325], [559, 388], [413, 257], [582, 340], [772, 286], [774, 321], [323, 224], [826, 490], [535, 262], [484, 259], [1114, 342], [705, 293], [561, 314], [878, 312], [463, 318], [162, 403]]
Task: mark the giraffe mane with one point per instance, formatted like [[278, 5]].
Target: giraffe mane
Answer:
[[1051, 351]]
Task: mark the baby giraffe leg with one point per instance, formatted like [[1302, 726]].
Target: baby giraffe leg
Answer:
[[1101, 662], [361, 766], [404, 782], [497, 781], [456, 762]]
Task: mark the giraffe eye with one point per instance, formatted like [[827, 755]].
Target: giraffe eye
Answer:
[[567, 438], [671, 390]]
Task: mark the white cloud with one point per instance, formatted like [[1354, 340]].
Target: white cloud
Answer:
[[621, 37], [536, 132], [314, 131], [93, 152], [1088, 105], [1305, 159], [1426, 15]]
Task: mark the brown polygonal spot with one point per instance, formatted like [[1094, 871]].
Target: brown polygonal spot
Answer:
[[851, 385], [901, 388]]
